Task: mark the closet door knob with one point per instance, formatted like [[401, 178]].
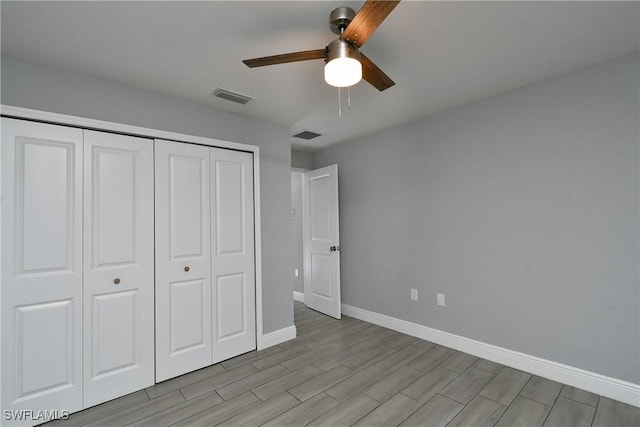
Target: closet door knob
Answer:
[[186, 268], [116, 280]]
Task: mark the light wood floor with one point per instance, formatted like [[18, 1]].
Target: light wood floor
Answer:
[[349, 372]]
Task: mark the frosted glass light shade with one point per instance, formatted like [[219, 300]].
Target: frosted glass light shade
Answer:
[[343, 72]]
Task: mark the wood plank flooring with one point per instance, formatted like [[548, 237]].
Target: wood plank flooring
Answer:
[[348, 372]]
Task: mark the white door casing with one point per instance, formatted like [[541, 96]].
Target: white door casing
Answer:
[[41, 266], [118, 266], [183, 259], [321, 236], [232, 254]]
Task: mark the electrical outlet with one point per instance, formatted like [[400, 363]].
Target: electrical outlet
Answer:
[[414, 294], [440, 299], [296, 273]]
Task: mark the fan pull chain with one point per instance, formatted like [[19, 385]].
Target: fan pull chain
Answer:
[[340, 102]]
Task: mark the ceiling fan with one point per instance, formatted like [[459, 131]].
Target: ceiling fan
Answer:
[[345, 65]]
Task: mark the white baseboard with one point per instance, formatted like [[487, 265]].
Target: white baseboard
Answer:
[[612, 388], [298, 296], [279, 336]]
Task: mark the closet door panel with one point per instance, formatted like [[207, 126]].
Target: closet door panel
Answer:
[[188, 329], [232, 265], [183, 259], [41, 266], [231, 307], [118, 266]]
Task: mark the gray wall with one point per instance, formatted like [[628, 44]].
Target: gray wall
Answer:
[[301, 159], [523, 209], [30, 85]]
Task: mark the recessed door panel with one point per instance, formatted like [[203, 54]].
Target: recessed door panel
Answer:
[[114, 206], [118, 266], [231, 309], [230, 209], [318, 212], [41, 292], [183, 262], [44, 348], [232, 261], [320, 272], [44, 246], [186, 205], [187, 326], [114, 333]]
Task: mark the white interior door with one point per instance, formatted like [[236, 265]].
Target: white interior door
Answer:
[[118, 266], [321, 241], [41, 267], [232, 253], [183, 261]]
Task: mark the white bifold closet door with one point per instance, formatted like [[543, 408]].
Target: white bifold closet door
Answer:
[[232, 254], [183, 261], [118, 266], [77, 266], [41, 266], [205, 268]]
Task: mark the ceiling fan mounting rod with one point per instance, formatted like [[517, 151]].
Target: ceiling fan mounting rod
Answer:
[[340, 18]]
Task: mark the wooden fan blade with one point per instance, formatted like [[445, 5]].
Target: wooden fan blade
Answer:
[[286, 57], [368, 18], [374, 75]]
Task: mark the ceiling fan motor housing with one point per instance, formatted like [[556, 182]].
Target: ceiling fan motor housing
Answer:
[[340, 18], [341, 49]]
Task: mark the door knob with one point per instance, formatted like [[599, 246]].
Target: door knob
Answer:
[[116, 280], [332, 249], [186, 268]]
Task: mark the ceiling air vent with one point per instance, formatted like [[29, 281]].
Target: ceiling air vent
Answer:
[[232, 96], [305, 134]]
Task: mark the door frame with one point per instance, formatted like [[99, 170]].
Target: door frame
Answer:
[[299, 296], [82, 122]]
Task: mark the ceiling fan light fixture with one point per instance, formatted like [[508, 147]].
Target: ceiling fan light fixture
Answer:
[[344, 64], [343, 67]]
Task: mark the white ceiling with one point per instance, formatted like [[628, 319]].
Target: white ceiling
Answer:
[[440, 54]]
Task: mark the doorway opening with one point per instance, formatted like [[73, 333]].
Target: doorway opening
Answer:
[[316, 246]]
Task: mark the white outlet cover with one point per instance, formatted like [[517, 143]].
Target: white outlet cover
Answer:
[[440, 299], [414, 294]]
